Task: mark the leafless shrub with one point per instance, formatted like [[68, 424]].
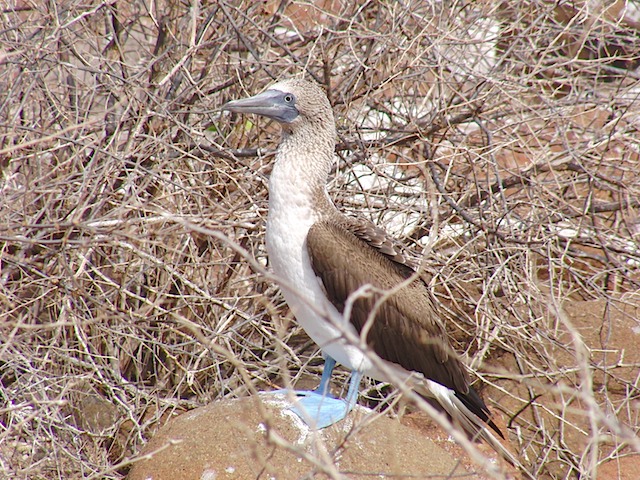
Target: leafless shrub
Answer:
[[500, 140]]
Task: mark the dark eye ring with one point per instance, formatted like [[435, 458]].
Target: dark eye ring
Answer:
[[288, 98]]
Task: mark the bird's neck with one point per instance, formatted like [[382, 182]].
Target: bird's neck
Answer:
[[303, 162], [297, 199]]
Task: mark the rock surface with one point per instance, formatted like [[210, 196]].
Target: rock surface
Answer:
[[258, 437], [625, 468]]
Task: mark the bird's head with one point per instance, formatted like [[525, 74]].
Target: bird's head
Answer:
[[293, 103]]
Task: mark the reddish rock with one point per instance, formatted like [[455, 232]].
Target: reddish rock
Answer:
[[624, 468], [258, 437]]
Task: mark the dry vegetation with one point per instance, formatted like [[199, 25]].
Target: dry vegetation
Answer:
[[504, 143]]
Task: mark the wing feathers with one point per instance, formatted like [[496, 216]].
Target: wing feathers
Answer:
[[406, 329], [377, 238]]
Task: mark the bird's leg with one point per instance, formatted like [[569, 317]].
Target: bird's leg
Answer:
[[327, 370], [323, 388], [354, 388]]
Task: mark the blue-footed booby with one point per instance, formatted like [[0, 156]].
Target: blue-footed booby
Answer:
[[323, 256]]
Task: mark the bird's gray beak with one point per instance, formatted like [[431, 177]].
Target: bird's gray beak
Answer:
[[273, 104]]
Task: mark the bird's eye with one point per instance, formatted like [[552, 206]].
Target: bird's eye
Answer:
[[288, 98]]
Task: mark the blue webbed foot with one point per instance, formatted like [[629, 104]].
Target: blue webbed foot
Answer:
[[318, 408]]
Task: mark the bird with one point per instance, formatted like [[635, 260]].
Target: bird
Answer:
[[344, 277]]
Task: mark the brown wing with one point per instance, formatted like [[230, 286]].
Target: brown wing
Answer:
[[406, 329], [377, 238]]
